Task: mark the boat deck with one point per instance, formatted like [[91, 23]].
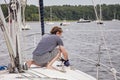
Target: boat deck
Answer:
[[37, 73]]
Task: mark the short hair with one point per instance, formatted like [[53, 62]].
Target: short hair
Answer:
[[56, 29]]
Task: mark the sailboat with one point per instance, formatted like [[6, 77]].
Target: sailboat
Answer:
[[81, 20], [17, 70], [64, 23], [25, 26], [114, 19], [99, 18], [50, 22]]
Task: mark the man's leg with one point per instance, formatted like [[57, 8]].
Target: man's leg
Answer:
[[30, 62], [49, 65]]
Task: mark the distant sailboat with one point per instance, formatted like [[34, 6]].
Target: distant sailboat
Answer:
[[64, 23], [81, 20], [24, 26], [50, 22], [99, 19], [114, 19]]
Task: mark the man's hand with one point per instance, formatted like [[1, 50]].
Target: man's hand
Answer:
[[66, 62]]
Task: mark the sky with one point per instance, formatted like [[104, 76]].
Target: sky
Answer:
[[69, 2], [74, 2]]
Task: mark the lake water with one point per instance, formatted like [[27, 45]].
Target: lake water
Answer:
[[82, 41]]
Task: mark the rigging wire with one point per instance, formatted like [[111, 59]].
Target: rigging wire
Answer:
[[98, 62], [107, 51], [105, 44], [95, 62], [113, 70]]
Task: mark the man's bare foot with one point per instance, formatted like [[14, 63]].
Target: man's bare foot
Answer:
[[29, 63]]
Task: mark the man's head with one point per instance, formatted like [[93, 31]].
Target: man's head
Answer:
[[56, 30]]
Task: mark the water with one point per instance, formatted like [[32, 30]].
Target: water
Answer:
[[82, 41]]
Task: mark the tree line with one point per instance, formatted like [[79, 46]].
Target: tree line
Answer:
[[70, 12]]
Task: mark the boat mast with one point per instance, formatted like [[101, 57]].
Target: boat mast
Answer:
[[95, 9], [23, 6], [50, 14], [100, 11], [42, 16]]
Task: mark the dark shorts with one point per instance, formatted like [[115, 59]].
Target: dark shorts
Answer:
[[42, 60]]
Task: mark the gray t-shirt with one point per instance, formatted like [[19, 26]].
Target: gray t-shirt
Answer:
[[48, 43]]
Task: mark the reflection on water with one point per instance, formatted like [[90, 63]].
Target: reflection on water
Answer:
[[82, 41]]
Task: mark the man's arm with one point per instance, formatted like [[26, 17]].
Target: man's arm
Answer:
[[64, 52]]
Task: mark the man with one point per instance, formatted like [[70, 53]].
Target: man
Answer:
[[49, 49]]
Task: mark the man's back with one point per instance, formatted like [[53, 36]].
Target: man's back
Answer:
[[47, 43]]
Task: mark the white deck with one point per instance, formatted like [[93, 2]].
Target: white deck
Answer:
[[37, 73]]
